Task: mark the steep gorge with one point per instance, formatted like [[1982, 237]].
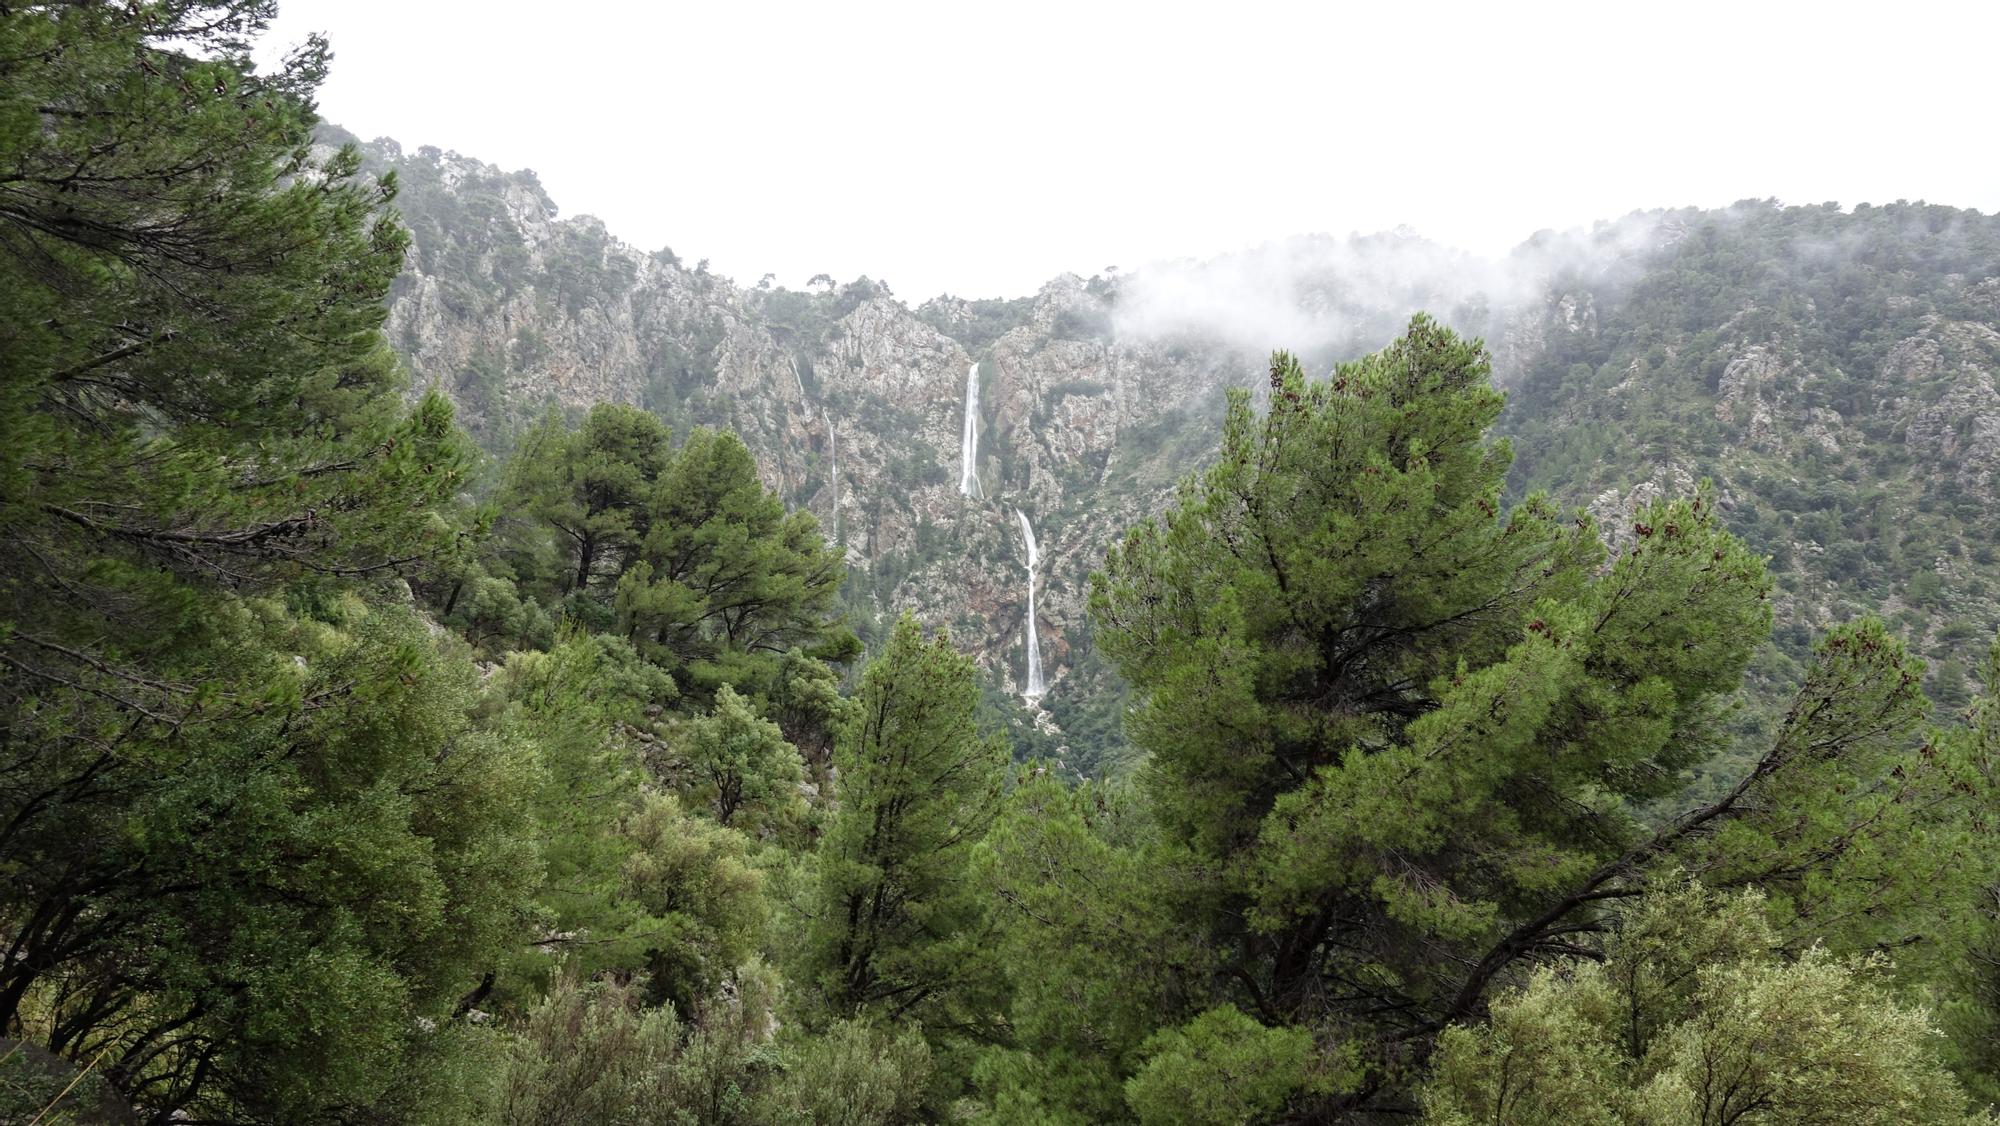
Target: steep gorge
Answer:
[[1824, 367]]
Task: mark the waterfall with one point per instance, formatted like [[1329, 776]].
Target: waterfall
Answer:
[[799, 379], [968, 444], [1034, 687]]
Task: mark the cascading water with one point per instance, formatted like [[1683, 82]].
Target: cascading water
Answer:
[[1034, 687], [968, 445]]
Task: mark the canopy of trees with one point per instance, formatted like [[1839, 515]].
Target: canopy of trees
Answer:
[[344, 779]]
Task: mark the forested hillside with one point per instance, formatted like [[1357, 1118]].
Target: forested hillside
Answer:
[[457, 669], [1834, 374], [1831, 371]]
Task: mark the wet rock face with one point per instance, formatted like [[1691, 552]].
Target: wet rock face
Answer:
[[854, 403]]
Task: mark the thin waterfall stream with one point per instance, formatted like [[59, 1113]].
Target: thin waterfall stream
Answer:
[[968, 445], [1034, 686]]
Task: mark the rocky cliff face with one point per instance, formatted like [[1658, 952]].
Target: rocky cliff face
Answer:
[[1854, 380], [1833, 374], [852, 401], [1949, 368]]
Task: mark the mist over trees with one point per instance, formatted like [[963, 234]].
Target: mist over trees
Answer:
[[350, 775]]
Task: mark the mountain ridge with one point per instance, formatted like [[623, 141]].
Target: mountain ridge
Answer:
[[1097, 395]]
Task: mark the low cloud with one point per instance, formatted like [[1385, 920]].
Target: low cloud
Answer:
[[1322, 294]]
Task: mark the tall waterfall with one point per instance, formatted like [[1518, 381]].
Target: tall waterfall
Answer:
[[968, 444], [1034, 687], [832, 446]]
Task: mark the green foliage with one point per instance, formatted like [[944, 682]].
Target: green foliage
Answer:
[[336, 851], [740, 765], [1095, 957], [590, 1053], [682, 551], [487, 609], [594, 1052], [893, 917], [1222, 1069], [809, 710], [194, 376], [1420, 770], [1862, 839], [1384, 716], [853, 1074], [591, 486], [40, 1088], [574, 703], [1692, 1018], [701, 898], [1956, 959], [726, 581], [1404, 746], [1341, 487], [635, 882], [251, 833]]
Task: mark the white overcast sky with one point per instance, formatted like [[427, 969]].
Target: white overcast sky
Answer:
[[980, 149]]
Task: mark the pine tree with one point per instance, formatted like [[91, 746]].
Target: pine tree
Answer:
[[248, 830], [895, 916], [1403, 743], [726, 581], [681, 550], [1385, 714], [591, 486]]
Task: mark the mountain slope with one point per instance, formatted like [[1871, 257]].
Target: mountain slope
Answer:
[[1833, 372]]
